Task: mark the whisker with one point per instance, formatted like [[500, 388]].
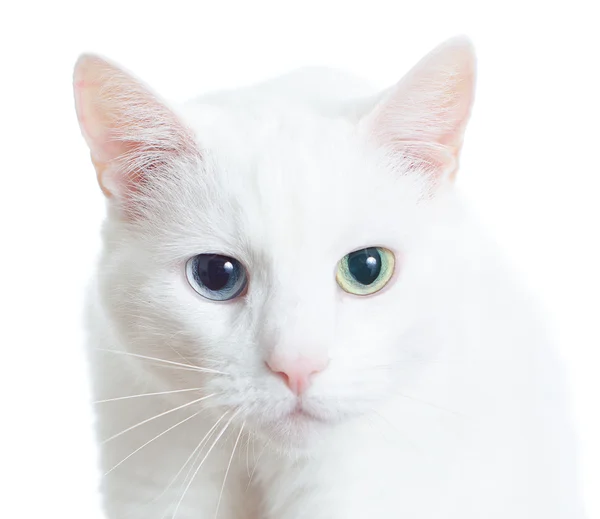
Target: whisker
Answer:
[[199, 446], [172, 348], [202, 462], [248, 454], [435, 406], [146, 394], [197, 368], [178, 368], [256, 463], [150, 441], [227, 471], [170, 345], [157, 416], [393, 427]]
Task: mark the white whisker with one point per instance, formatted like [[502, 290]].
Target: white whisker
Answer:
[[178, 368], [256, 463], [147, 394], [169, 342], [202, 462], [157, 416], [203, 442], [248, 454], [197, 449], [394, 428], [150, 441], [179, 354], [196, 368], [227, 471], [430, 404]]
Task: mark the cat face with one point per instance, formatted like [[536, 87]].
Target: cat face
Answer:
[[289, 223], [285, 253]]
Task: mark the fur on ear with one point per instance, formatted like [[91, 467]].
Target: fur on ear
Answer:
[[130, 132], [422, 119]]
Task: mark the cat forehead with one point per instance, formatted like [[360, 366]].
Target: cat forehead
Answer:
[[270, 141], [287, 152], [287, 180]]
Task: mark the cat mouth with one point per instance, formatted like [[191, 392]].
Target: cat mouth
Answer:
[[298, 420], [301, 415], [297, 427]]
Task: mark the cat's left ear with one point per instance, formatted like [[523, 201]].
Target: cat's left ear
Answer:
[[421, 120]]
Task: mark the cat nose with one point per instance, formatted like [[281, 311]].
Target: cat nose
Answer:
[[296, 372]]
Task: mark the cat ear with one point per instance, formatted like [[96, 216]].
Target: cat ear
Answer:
[[130, 132], [421, 120]]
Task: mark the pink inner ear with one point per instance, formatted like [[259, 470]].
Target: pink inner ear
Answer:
[[427, 158], [424, 117], [93, 113], [130, 132]]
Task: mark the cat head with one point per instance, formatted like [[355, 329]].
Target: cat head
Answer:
[[287, 253]]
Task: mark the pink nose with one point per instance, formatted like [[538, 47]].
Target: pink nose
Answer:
[[296, 372]]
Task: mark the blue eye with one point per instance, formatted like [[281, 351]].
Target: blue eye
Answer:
[[216, 277]]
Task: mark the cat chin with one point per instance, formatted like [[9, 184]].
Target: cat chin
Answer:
[[297, 433], [297, 437]]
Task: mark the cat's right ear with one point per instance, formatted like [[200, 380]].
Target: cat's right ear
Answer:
[[130, 132]]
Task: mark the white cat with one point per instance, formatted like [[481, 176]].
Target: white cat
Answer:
[[294, 316]]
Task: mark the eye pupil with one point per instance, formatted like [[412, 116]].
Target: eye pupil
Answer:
[[216, 277], [365, 265], [365, 271], [214, 271]]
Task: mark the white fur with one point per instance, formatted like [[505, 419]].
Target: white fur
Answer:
[[442, 398]]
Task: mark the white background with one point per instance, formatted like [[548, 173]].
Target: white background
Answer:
[[530, 166]]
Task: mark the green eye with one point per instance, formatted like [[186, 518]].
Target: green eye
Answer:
[[365, 271]]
